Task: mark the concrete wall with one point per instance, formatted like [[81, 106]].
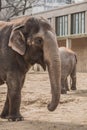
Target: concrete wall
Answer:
[[69, 9], [62, 43], [80, 47]]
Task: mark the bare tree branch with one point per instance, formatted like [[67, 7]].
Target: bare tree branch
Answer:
[[13, 8], [29, 7], [0, 5], [24, 6]]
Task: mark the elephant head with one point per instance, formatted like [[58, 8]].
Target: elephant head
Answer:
[[36, 41]]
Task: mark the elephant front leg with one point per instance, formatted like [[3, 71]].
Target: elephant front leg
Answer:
[[15, 84], [14, 105], [5, 111]]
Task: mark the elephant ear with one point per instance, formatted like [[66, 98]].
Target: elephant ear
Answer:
[[17, 40]]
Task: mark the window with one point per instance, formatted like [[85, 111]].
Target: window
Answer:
[[62, 25], [78, 23]]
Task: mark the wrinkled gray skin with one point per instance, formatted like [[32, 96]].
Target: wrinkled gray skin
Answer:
[[68, 67], [22, 44]]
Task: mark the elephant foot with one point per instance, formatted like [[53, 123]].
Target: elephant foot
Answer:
[[12, 118], [15, 118], [4, 115], [63, 91], [67, 89], [73, 88]]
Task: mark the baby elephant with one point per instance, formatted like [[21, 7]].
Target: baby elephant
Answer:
[[68, 67]]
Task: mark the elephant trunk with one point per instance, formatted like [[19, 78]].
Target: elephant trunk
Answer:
[[52, 59]]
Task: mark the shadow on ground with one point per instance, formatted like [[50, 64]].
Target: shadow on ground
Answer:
[[81, 93], [40, 125]]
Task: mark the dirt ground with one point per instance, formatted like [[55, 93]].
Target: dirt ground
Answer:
[[71, 114]]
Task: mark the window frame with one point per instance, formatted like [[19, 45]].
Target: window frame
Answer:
[[78, 27], [61, 29]]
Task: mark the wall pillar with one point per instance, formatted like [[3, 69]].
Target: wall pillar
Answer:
[[69, 24], [86, 22], [53, 23], [68, 43]]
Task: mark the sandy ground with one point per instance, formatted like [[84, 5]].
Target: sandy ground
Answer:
[[71, 114]]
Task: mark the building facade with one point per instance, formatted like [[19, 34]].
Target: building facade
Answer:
[[44, 5], [70, 25]]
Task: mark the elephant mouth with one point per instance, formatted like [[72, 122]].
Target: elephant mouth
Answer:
[[38, 59], [43, 65]]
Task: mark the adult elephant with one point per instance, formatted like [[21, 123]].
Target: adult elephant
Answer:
[[22, 44], [68, 67]]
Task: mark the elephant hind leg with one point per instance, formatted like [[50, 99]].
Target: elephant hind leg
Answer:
[[63, 88], [66, 85], [73, 86], [73, 77]]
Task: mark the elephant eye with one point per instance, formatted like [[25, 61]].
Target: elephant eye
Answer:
[[38, 40]]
